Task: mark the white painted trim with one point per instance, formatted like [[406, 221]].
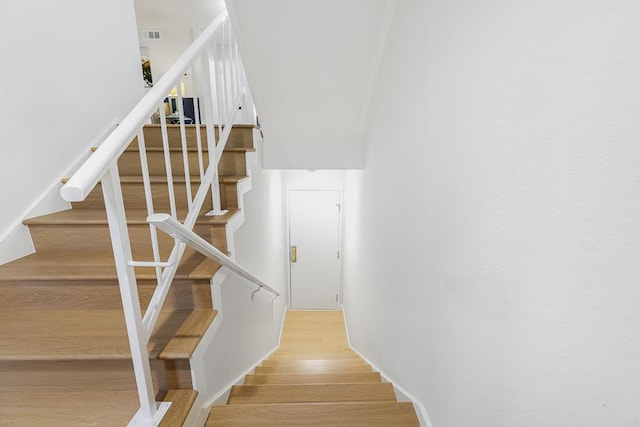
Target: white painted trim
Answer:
[[284, 313], [423, 417], [198, 362], [198, 414], [216, 292], [344, 317], [243, 187], [16, 242], [237, 220]]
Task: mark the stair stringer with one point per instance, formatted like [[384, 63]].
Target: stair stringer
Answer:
[[200, 408]]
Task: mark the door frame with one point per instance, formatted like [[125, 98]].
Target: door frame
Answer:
[[340, 245]]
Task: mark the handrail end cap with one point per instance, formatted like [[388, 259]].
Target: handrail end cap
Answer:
[[72, 193]]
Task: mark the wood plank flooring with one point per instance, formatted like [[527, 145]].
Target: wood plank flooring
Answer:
[[314, 379]]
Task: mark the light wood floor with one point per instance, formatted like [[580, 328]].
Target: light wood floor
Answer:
[[314, 379]]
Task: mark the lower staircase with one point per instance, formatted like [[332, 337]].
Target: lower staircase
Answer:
[[314, 379], [64, 351]]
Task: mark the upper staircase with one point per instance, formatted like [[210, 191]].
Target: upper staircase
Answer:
[[64, 353]]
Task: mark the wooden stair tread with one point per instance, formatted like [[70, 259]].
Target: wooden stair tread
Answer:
[[57, 335], [64, 408], [314, 353], [181, 403], [308, 393], [57, 267], [223, 219], [364, 377], [232, 179], [364, 414], [312, 363], [185, 341], [99, 217], [240, 149]]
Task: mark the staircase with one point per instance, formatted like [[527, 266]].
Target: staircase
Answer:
[[314, 379], [64, 353]]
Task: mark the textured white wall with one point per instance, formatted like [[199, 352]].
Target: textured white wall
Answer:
[[250, 329], [70, 69], [492, 254]]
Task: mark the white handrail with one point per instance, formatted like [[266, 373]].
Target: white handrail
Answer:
[[178, 231], [85, 179]]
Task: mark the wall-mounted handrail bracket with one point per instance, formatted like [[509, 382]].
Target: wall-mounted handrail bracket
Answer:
[[253, 294], [171, 226]]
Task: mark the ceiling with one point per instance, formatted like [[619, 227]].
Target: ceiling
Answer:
[[312, 66]]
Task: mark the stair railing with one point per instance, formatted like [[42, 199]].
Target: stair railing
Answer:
[[179, 232], [220, 82]]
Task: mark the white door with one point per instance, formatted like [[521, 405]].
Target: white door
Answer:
[[314, 244]]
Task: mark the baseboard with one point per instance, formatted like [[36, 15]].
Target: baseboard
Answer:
[[284, 313], [345, 326], [423, 417]]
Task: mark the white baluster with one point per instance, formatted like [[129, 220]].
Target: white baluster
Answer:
[[117, 219], [167, 162], [185, 152], [144, 165], [210, 120]]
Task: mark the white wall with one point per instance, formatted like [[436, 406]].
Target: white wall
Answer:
[[250, 329], [70, 70], [492, 254]]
